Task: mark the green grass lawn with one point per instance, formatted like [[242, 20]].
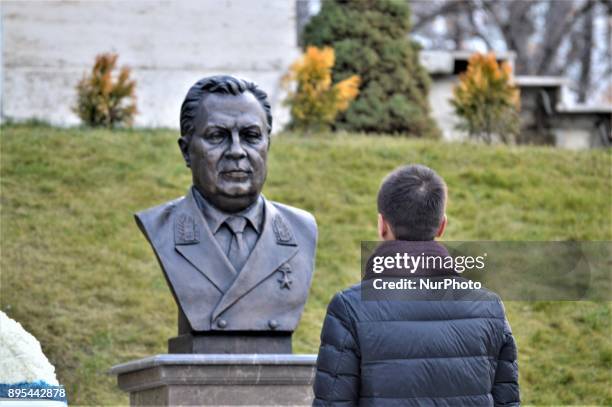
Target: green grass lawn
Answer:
[[77, 273]]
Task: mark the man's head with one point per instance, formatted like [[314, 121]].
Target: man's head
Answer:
[[411, 204], [225, 137]]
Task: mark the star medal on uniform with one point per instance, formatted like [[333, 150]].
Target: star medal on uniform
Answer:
[[285, 281]]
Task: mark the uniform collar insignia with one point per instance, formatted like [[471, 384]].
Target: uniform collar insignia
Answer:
[[282, 232], [185, 230]]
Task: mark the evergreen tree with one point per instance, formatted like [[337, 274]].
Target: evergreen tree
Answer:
[[370, 38]]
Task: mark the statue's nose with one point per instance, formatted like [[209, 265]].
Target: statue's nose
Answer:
[[235, 150]]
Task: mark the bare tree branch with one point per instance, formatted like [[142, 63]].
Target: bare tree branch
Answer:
[[451, 7], [552, 45], [556, 47], [477, 31], [516, 29], [584, 82]]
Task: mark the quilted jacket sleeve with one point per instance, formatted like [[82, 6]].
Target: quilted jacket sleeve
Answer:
[[506, 387], [337, 377]]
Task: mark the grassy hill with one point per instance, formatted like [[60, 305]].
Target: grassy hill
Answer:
[[79, 276]]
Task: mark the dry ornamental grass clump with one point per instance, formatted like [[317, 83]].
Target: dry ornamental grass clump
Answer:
[[315, 102], [486, 100], [105, 99]]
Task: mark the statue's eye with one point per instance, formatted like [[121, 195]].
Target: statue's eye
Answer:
[[252, 136], [215, 136]]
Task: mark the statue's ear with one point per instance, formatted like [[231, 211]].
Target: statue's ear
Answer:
[[184, 146]]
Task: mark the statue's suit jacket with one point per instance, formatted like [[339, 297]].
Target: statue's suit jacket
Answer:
[[270, 291]]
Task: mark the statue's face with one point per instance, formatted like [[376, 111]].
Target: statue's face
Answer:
[[228, 150]]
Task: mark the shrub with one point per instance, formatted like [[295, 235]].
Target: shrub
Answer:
[[370, 38], [105, 99], [315, 102], [486, 100]]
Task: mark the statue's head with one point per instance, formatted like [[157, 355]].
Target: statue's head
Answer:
[[225, 137]]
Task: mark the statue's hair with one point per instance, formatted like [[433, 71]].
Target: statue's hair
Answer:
[[223, 84]]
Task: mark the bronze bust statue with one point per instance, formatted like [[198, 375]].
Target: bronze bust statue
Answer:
[[239, 266]]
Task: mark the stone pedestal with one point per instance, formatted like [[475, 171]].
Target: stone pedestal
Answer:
[[218, 379]]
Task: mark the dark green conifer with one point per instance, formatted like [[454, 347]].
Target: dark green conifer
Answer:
[[370, 38]]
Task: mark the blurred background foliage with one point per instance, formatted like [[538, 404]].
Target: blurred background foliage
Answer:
[[78, 274], [106, 98], [487, 101], [370, 40], [313, 99], [568, 38]]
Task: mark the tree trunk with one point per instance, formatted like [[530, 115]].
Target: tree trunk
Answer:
[[587, 46]]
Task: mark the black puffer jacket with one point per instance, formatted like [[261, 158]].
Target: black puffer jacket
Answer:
[[415, 353]]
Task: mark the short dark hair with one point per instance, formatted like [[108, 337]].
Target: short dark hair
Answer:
[[223, 84], [412, 200]]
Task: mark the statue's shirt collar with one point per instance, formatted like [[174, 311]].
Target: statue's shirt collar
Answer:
[[215, 217]]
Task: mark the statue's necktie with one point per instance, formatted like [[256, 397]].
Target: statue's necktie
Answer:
[[238, 250]]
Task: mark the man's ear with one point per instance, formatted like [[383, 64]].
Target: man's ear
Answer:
[[442, 227], [384, 229], [184, 146]]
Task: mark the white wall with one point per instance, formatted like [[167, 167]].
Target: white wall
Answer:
[[440, 94], [48, 45]]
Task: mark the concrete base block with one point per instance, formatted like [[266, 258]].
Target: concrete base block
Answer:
[[231, 343], [218, 379]]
